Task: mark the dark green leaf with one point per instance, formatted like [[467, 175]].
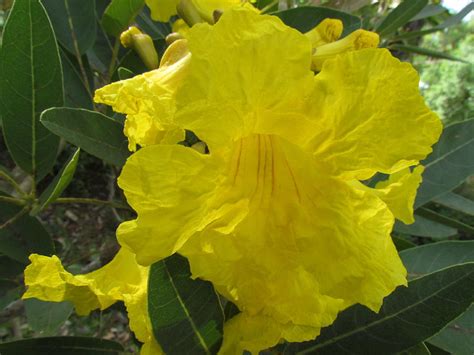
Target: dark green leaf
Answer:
[[448, 221], [73, 22], [456, 202], [46, 317], [434, 350], [425, 51], [414, 34], [156, 30], [61, 346], [455, 19], [402, 244], [10, 268], [307, 17], [418, 349], [405, 319], [400, 16], [9, 291], [92, 131], [424, 227], [30, 81], [186, 314], [76, 91], [120, 14], [59, 184], [124, 73], [429, 258], [458, 336], [23, 237], [447, 167]]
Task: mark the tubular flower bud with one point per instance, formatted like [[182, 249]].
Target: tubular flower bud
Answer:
[[189, 13], [358, 39], [327, 31], [142, 44]]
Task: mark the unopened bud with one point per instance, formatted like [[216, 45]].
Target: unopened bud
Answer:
[[358, 39], [188, 12], [142, 44], [173, 37]]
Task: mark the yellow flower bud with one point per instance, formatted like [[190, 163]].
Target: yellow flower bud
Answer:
[[173, 37], [327, 31], [142, 44], [358, 39], [188, 12]]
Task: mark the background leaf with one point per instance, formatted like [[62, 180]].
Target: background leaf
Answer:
[[186, 314], [73, 22], [456, 202], [305, 18], [120, 14], [400, 16], [61, 346], [425, 51], [92, 131], [76, 90], [30, 81], [447, 167], [405, 319], [46, 317], [423, 227]]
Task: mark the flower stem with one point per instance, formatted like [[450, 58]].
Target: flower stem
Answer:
[[12, 200], [12, 182]]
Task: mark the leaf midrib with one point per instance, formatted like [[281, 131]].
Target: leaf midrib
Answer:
[[370, 325]]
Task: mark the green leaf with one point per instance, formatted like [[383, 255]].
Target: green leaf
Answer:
[[448, 221], [456, 202], [455, 19], [458, 336], [9, 292], [429, 258], [92, 131], [405, 319], [156, 30], [399, 16], [425, 51], [424, 227], [402, 244], [10, 268], [124, 73], [76, 93], [418, 349], [61, 346], [305, 18], [120, 14], [46, 317], [73, 22], [23, 237], [447, 167], [59, 184], [186, 314], [429, 11], [30, 81]]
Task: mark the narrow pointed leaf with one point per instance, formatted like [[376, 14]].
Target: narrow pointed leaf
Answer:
[[424, 227], [73, 22], [91, 131], [448, 221], [59, 184], [425, 51], [405, 319], [186, 314], [30, 81], [455, 19], [120, 14], [62, 346], [447, 167], [304, 18], [399, 16], [429, 11], [456, 202]]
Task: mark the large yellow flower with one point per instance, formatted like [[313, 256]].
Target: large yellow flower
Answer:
[[120, 280], [275, 215]]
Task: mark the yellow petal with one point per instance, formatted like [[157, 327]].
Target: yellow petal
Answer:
[[233, 83], [168, 186], [371, 115], [162, 10], [148, 99], [120, 280]]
